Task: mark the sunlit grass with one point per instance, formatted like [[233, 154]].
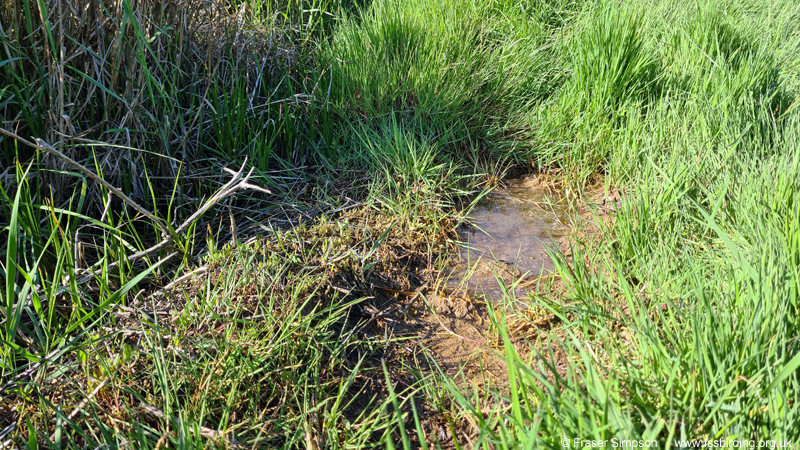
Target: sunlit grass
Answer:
[[680, 323]]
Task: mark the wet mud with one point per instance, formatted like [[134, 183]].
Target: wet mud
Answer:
[[511, 230]]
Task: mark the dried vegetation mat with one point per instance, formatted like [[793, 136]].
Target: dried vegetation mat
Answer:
[[284, 333]]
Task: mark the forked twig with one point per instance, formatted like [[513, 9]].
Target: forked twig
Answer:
[[237, 183], [169, 235]]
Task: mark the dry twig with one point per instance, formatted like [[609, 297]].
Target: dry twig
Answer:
[[169, 234], [83, 403]]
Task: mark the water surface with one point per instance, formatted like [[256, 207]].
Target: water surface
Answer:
[[513, 226]]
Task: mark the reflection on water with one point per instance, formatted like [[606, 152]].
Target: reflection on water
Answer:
[[513, 228]]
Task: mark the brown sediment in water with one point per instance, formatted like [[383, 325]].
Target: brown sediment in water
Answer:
[[512, 229], [507, 242]]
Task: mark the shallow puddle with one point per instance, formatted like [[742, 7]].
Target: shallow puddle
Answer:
[[513, 227]]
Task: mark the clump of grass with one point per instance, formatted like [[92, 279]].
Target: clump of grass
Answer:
[[610, 65], [460, 72], [409, 175]]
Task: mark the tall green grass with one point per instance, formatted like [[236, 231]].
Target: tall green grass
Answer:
[[461, 70], [681, 325]]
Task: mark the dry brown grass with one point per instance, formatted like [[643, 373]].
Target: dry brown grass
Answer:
[[124, 86]]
